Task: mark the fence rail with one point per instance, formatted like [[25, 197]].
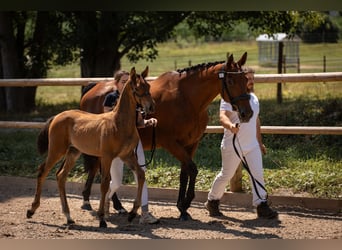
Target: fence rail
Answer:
[[236, 181], [307, 130], [259, 78]]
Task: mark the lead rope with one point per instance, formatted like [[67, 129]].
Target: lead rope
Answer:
[[153, 147], [153, 144], [245, 165]]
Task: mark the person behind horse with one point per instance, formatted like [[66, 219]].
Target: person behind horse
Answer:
[[249, 137], [116, 169]]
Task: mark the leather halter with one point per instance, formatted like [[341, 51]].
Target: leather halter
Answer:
[[223, 75]]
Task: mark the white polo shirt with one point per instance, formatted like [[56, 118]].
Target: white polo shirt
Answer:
[[247, 132]]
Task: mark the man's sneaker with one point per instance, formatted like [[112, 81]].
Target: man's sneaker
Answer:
[[264, 211], [147, 218], [213, 207]]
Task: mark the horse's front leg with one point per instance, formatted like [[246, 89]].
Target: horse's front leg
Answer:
[[186, 189], [105, 180], [91, 165]]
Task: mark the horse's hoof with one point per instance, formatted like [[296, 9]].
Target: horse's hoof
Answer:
[[103, 224], [185, 217], [29, 214], [131, 216], [87, 206], [70, 221]]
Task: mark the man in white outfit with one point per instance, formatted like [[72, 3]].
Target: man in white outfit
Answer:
[[248, 140], [116, 169]]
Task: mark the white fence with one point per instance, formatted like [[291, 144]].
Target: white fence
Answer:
[[235, 183]]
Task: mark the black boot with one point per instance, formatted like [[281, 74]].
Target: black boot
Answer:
[[265, 212], [213, 208]]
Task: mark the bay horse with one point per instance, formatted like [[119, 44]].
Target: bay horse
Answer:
[[182, 98], [107, 135]]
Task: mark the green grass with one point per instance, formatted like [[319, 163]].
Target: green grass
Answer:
[[173, 56], [308, 164]]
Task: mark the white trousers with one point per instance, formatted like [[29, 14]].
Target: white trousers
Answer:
[[230, 162], [116, 174]]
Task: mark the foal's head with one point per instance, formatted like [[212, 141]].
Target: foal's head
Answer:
[[141, 90], [234, 85]]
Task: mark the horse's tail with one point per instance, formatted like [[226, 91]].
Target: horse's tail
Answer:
[[85, 89], [43, 137]]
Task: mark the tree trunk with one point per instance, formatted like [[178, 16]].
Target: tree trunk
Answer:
[[14, 96], [98, 51]]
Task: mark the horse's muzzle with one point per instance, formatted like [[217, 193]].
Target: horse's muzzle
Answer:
[[245, 116]]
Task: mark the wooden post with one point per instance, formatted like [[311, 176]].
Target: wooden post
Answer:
[[280, 67], [236, 181], [298, 65]]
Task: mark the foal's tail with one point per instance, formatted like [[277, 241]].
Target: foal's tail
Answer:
[[43, 137]]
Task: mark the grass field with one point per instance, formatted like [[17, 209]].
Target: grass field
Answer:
[[297, 163]]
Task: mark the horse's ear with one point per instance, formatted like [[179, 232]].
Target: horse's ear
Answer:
[[243, 59], [230, 59], [145, 72]]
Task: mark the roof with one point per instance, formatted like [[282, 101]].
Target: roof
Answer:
[[276, 37]]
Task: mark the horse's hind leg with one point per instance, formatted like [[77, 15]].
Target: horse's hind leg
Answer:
[[62, 174], [43, 171]]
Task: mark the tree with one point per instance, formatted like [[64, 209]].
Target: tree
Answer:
[[28, 49], [105, 37], [31, 42]]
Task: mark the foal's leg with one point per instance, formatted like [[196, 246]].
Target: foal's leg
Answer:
[[43, 171], [132, 163], [62, 174], [105, 179]]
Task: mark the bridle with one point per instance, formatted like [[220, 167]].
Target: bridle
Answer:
[[140, 109], [224, 76]]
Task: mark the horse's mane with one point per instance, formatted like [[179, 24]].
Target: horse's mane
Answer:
[[199, 67]]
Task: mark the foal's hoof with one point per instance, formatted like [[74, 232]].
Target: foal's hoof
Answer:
[[131, 216], [185, 217], [103, 224], [29, 214], [87, 206]]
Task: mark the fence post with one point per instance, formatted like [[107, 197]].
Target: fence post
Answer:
[[298, 65], [280, 67], [236, 181]]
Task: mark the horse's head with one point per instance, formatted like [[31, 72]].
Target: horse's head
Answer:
[[141, 90], [234, 87]]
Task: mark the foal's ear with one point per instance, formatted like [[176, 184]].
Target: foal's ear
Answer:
[[243, 59], [145, 72], [133, 74]]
